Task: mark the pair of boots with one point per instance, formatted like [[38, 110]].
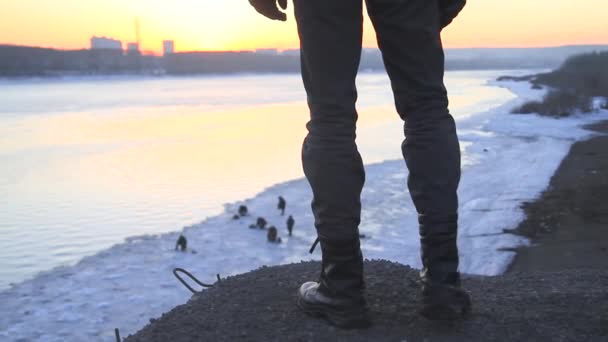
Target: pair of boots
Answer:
[[338, 295]]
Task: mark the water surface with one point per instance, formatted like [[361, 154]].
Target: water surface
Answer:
[[85, 163]]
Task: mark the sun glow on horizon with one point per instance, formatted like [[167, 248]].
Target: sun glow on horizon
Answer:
[[203, 25]]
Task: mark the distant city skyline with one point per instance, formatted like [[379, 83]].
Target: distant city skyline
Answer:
[[203, 25]]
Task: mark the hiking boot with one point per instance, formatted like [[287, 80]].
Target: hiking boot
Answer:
[[338, 296], [345, 313], [444, 300], [442, 297]]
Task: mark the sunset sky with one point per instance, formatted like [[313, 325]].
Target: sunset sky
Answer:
[[234, 25]]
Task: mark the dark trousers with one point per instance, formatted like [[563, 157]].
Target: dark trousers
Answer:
[[408, 33]]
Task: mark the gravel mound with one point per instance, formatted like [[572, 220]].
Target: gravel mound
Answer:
[[260, 306]]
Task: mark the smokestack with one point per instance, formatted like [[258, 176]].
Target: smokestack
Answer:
[[137, 35]]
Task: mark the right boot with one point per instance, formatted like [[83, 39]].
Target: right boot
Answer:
[[444, 300], [442, 296], [338, 295]]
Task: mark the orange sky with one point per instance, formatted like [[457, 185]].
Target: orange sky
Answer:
[[233, 25]]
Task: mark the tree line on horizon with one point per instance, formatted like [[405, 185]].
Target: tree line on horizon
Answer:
[[573, 86], [24, 61]]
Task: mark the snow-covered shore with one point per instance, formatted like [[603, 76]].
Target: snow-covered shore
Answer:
[[509, 159]]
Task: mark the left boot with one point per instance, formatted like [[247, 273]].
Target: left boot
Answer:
[[342, 312], [338, 296]]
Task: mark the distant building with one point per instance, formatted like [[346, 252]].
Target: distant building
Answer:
[[168, 47], [133, 49], [103, 43]]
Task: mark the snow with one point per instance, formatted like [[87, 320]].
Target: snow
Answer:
[[507, 160]]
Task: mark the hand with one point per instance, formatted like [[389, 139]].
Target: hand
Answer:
[[269, 9], [449, 9]]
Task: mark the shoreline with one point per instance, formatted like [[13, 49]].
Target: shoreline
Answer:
[[4, 80], [568, 223]]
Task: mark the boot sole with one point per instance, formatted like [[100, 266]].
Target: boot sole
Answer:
[[352, 320]]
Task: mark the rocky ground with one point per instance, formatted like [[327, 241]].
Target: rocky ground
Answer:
[[556, 290], [259, 306]]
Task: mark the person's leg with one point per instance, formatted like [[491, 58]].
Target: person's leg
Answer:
[[408, 34], [330, 36]]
